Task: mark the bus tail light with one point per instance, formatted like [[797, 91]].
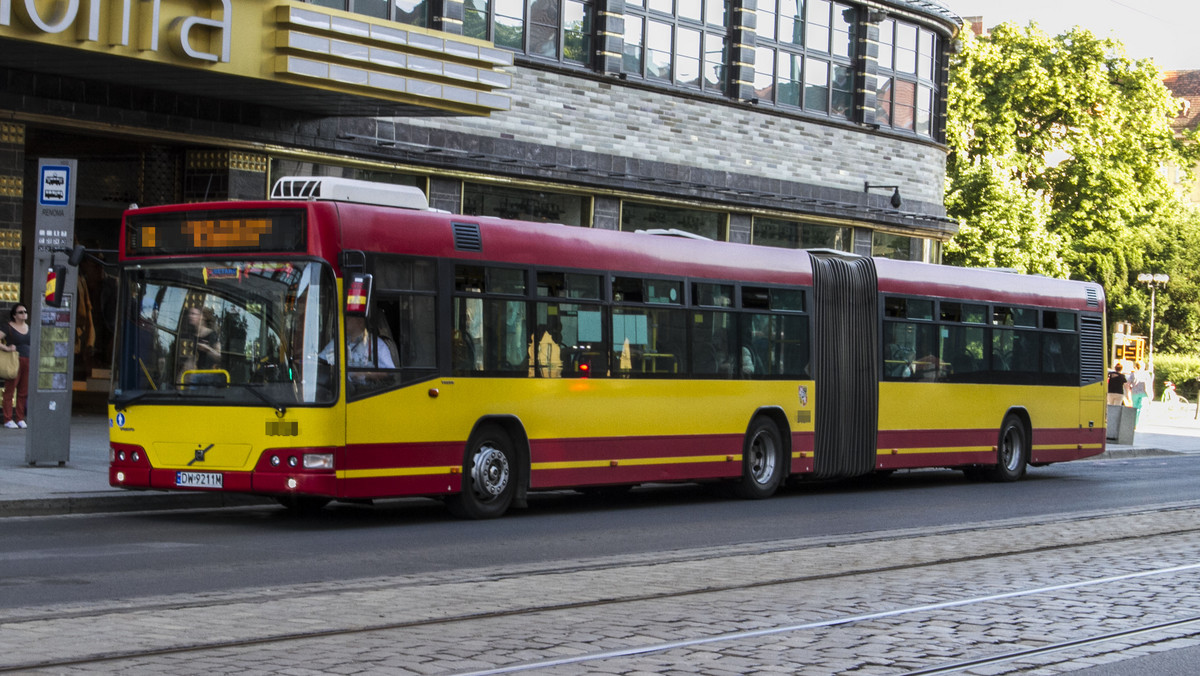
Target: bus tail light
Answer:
[[318, 461]]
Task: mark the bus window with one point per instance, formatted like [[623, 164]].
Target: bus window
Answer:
[[403, 274], [1015, 351], [648, 341], [1060, 321], [907, 308], [568, 342], [714, 344], [568, 285], [793, 352], [490, 336], [712, 295], [963, 351], [1014, 316], [414, 330], [910, 351], [1060, 355], [271, 319]]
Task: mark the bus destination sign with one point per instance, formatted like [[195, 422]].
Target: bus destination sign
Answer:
[[200, 232]]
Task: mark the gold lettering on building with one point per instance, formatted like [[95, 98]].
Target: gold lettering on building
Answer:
[[203, 35]]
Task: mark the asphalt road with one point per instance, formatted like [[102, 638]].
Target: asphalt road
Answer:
[[51, 560]]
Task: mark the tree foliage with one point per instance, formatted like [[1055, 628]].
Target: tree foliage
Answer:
[[1056, 150]]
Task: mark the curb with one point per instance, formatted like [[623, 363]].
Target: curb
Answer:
[[132, 502], [1136, 452]]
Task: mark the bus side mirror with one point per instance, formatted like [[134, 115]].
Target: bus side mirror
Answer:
[[56, 278], [76, 256], [358, 294]]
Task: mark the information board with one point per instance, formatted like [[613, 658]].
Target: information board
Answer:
[[56, 348]]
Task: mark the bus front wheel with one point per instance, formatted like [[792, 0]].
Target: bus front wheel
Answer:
[[1012, 451], [489, 477], [762, 461]]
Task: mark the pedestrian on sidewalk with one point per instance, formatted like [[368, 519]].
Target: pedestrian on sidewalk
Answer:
[[1118, 386], [16, 333], [1141, 386]]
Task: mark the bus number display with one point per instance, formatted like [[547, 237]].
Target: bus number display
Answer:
[[214, 232]]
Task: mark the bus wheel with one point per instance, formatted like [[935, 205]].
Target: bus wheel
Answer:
[[762, 464], [489, 476], [1012, 452]]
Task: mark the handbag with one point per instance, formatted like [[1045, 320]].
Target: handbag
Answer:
[[10, 363]]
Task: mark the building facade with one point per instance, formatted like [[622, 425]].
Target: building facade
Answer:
[[790, 123], [1184, 85]]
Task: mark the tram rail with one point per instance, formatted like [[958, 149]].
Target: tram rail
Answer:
[[622, 604]]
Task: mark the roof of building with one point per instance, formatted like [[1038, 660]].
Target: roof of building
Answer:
[[1185, 85], [932, 8]]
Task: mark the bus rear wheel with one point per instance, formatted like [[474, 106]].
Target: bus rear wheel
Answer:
[[763, 467], [1012, 451], [489, 477]]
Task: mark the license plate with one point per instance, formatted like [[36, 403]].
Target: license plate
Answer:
[[199, 479]]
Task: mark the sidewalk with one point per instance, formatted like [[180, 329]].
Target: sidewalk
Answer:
[[81, 485]]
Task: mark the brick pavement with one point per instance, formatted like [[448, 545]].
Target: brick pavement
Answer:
[[609, 604]]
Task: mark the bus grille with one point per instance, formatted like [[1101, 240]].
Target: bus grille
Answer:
[[1091, 349]]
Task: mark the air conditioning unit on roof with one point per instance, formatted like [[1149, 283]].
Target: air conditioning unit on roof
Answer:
[[336, 189]]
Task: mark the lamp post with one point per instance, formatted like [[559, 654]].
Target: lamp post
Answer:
[[1153, 281]]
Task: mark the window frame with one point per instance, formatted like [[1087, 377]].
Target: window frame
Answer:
[[771, 51], [922, 81], [705, 26]]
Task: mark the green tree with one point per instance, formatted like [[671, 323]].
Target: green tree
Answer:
[[1056, 149]]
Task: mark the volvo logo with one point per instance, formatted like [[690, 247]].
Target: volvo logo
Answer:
[[200, 452]]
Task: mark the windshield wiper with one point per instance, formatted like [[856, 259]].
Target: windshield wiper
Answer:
[[122, 404], [279, 408]]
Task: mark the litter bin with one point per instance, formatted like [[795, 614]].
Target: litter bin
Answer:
[[1121, 421]]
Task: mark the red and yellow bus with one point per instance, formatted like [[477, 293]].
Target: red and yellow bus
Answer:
[[341, 341]]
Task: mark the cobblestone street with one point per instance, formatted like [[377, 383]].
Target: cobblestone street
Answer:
[[886, 605]]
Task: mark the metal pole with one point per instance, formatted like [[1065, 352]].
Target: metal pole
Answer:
[[1150, 357]]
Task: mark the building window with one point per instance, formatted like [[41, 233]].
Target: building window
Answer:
[[284, 167], [411, 12], [908, 57], [710, 224], [560, 30], [684, 43], [897, 247], [796, 235], [525, 205], [804, 56]]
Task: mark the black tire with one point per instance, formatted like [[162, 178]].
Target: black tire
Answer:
[[763, 461], [489, 476], [1012, 451]]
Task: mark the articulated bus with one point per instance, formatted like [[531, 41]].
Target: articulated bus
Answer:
[[342, 341]]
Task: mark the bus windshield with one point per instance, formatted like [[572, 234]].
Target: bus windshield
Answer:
[[227, 332]]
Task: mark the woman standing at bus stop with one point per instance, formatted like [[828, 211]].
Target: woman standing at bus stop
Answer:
[[16, 333]]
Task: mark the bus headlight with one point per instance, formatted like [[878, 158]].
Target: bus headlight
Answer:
[[318, 461]]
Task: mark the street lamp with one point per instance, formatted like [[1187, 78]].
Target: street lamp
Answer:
[[1153, 281]]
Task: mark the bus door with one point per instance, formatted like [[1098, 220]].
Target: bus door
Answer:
[[846, 364]]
